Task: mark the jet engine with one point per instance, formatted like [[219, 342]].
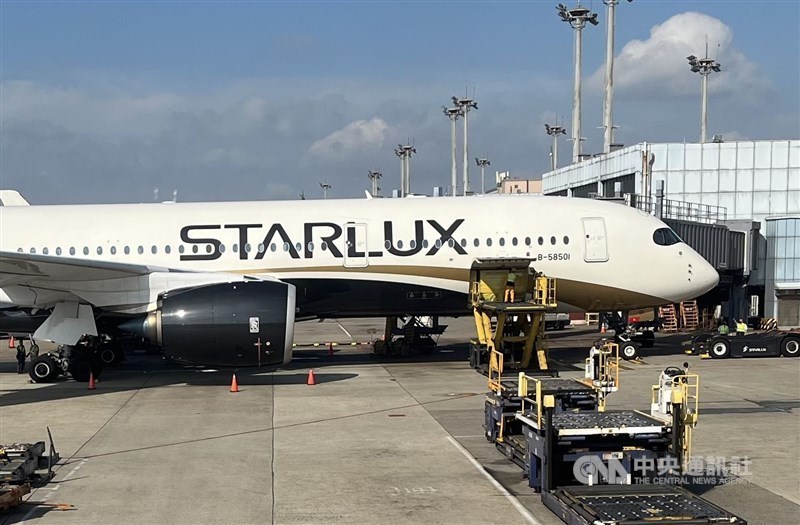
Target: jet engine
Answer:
[[245, 323]]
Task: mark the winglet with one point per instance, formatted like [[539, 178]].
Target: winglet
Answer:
[[12, 198], [368, 194]]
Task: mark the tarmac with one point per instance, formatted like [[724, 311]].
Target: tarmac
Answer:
[[390, 440]]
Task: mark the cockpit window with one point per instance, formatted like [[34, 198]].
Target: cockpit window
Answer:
[[665, 237]]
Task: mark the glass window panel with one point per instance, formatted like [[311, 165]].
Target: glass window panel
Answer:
[[761, 180], [744, 156], [780, 154], [763, 155], [710, 156], [710, 181]]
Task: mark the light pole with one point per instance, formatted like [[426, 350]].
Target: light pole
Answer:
[[704, 66], [608, 126], [465, 104], [483, 163], [453, 114], [577, 18], [325, 187], [373, 177], [554, 131], [405, 152]]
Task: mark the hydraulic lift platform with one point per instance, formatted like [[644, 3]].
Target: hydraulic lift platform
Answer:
[[516, 329]]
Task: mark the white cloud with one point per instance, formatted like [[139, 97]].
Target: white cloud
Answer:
[[354, 136], [658, 65]]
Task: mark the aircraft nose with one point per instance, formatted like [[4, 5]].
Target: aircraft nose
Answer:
[[702, 276]]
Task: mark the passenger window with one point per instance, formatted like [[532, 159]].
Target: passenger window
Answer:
[[451, 242], [168, 249], [154, 249], [235, 248], [209, 249], [272, 247], [514, 241], [99, 250], [553, 240], [566, 240], [438, 243], [72, 250], [527, 241], [247, 248], [221, 248], [412, 243], [86, 250], [464, 243], [489, 241], [33, 250], [113, 250], [194, 248], [502, 241], [261, 248], [19, 250], [424, 243], [140, 250], [540, 241], [323, 246], [298, 246], [400, 244], [58, 250], [45, 251], [181, 248], [476, 242], [127, 250], [311, 247], [386, 244]]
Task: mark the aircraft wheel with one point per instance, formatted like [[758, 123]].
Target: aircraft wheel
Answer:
[[44, 369], [629, 350], [790, 346], [110, 355], [720, 349]]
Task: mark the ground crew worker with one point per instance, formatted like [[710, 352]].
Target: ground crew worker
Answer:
[[723, 327], [741, 328], [21, 355], [510, 283]]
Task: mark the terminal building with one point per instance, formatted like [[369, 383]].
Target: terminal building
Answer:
[[736, 203]]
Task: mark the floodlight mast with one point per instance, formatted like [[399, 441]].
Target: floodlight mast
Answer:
[[608, 126], [577, 17], [325, 187], [483, 163], [453, 114], [374, 176], [405, 152], [554, 131], [704, 66], [465, 105]]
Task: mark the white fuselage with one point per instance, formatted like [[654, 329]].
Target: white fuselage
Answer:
[[602, 254]]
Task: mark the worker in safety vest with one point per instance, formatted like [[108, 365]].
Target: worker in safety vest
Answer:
[[21, 355], [510, 284], [741, 328]]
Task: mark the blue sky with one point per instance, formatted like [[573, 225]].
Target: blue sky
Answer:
[[103, 101]]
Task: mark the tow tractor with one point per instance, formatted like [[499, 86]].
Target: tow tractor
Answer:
[[597, 466], [774, 343]]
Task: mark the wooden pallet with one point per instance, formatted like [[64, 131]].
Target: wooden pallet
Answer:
[[690, 318], [11, 495], [669, 321]]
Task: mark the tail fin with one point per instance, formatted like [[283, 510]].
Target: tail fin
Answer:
[[12, 198]]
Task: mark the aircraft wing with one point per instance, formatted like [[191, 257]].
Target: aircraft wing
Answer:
[[25, 269]]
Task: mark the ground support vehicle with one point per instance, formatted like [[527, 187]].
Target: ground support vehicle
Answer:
[[589, 464], [775, 343], [516, 329]]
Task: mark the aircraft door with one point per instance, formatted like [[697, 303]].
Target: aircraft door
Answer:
[[355, 245], [594, 238]]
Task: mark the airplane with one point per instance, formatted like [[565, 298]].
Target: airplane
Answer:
[[223, 283]]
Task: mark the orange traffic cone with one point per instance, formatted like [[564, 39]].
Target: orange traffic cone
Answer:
[[234, 384], [91, 381], [311, 379], [603, 328], [11, 342], [330, 349]]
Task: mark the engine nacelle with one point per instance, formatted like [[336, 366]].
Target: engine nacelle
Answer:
[[246, 323]]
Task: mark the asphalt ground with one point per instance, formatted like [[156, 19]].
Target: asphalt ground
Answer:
[[391, 440]]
